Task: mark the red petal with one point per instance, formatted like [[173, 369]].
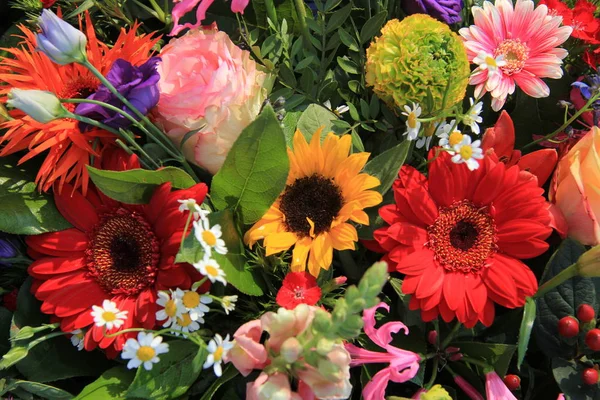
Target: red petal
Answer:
[[157, 202], [529, 249], [389, 214], [416, 263], [54, 266], [499, 281], [431, 281], [488, 188], [74, 299], [172, 277], [145, 308], [540, 163], [445, 311], [487, 316], [80, 321], [410, 283], [454, 289], [407, 234], [501, 137], [51, 285], [76, 208], [62, 243], [521, 230], [476, 293]]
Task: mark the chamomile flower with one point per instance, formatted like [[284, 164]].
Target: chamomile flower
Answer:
[[428, 133], [338, 110], [172, 307], [77, 339], [194, 303], [217, 349], [108, 315], [145, 350], [449, 136], [489, 62], [184, 323], [228, 303], [413, 125], [211, 269], [468, 153], [192, 206], [472, 118], [209, 237]]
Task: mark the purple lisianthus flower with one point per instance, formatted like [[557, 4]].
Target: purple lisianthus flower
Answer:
[[447, 11], [8, 248], [139, 85]]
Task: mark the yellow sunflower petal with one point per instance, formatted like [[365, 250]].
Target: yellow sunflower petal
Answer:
[[360, 217], [369, 198], [316, 152], [335, 154], [262, 229], [358, 184], [305, 161], [321, 253], [343, 237], [351, 166], [278, 242], [300, 254]]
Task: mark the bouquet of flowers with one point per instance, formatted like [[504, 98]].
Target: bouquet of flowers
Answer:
[[288, 199]]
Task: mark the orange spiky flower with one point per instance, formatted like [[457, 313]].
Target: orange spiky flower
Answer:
[[67, 149]]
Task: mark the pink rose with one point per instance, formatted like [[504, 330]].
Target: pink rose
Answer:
[[286, 324], [331, 380], [207, 84], [575, 188], [271, 387], [247, 352]]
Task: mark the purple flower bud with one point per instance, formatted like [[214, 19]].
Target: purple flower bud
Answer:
[[139, 85], [60, 41], [447, 11]]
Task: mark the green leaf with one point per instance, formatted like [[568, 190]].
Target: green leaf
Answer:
[[496, 354], [83, 7], [567, 374], [38, 389], [348, 39], [255, 170], [112, 384], [561, 302], [353, 112], [136, 186], [386, 166], [5, 322], [313, 118], [372, 27], [348, 65], [173, 375], [338, 18], [13, 356], [228, 374], [25, 211], [525, 330]]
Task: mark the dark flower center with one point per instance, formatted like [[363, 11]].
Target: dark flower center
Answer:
[[462, 237], [299, 292], [313, 197], [123, 253], [80, 87]]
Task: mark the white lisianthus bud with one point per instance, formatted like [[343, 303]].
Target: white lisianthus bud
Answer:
[[38, 104]]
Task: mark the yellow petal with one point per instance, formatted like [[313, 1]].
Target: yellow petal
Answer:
[[322, 251], [335, 155], [351, 166], [358, 184], [278, 242], [369, 198], [316, 152], [262, 229], [305, 162], [343, 237], [300, 254], [360, 217]]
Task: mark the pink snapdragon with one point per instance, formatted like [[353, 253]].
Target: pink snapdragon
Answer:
[[248, 353], [183, 7], [403, 364], [495, 389]]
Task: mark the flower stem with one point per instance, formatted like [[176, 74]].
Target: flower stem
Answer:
[[187, 225], [476, 362], [564, 275], [301, 10], [451, 335], [271, 12], [567, 123], [434, 372]]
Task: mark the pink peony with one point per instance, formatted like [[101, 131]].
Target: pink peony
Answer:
[[207, 84], [185, 6], [495, 389], [247, 352], [514, 46]]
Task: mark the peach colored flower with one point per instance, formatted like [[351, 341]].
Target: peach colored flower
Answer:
[[271, 387], [286, 324], [331, 380], [247, 352], [576, 188], [211, 86]]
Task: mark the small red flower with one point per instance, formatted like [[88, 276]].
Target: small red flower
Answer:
[[580, 18], [459, 236], [48, 3], [298, 288]]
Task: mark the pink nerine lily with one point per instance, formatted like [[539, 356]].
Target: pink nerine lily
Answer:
[[403, 364], [185, 6], [495, 389]]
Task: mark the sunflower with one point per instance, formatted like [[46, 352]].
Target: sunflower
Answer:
[[67, 149], [459, 237], [324, 191], [117, 252]]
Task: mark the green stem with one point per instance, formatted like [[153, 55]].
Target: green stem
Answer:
[[434, 372], [451, 335], [476, 362], [301, 10], [187, 225], [271, 12], [564, 275], [567, 123]]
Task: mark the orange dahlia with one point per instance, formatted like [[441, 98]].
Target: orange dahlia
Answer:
[[459, 237], [67, 149], [325, 190]]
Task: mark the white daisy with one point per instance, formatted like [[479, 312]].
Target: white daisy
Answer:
[[217, 348], [472, 118], [468, 153], [428, 133], [211, 269], [338, 110], [489, 62], [228, 303], [194, 303], [185, 324], [108, 315], [172, 307], [77, 339], [413, 125], [192, 206], [209, 237], [449, 136], [144, 350]]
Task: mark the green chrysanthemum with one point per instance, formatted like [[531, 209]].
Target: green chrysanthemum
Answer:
[[413, 56]]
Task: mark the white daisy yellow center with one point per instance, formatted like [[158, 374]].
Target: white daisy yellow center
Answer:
[[212, 270], [145, 353], [412, 120], [218, 354], [184, 320], [466, 152], [209, 238], [171, 308], [109, 316], [455, 138], [191, 299]]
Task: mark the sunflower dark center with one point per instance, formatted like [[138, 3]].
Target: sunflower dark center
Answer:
[[313, 197], [123, 253], [463, 237]]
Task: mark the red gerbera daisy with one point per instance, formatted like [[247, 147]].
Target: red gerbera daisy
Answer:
[[121, 252], [458, 237], [298, 288]]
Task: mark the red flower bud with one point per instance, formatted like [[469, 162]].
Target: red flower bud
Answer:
[[590, 376], [585, 313], [9, 300], [456, 357], [432, 337], [513, 382], [340, 280], [592, 339], [48, 3], [568, 327]]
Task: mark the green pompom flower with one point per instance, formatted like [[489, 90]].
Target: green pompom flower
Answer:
[[414, 56]]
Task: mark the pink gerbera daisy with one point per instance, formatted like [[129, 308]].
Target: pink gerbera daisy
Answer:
[[514, 46]]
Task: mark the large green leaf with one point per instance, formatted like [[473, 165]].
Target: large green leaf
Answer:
[[529, 312], [496, 354], [561, 302], [255, 170], [386, 165], [112, 384], [136, 186], [38, 389], [315, 117], [567, 374], [228, 374], [25, 211], [173, 375], [237, 271]]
